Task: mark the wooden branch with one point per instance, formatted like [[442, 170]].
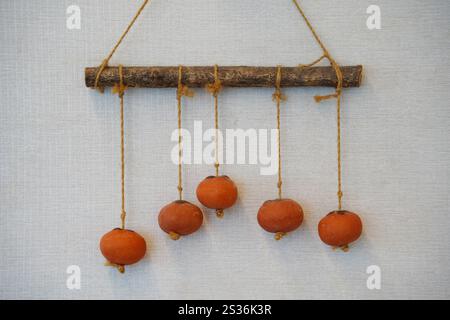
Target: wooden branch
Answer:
[[167, 77]]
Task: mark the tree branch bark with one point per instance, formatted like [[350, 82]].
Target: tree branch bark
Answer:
[[242, 76]]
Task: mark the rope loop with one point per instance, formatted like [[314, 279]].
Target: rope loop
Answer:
[[216, 87], [278, 95], [338, 90], [183, 90], [119, 88]]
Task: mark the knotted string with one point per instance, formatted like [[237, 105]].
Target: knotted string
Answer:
[[119, 267], [105, 61], [182, 90], [278, 96], [337, 94], [214, 89], [120, 90]]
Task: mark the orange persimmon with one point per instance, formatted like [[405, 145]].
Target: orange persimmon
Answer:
[[180, 218], [123, 247], [280, 216], [217, 192], [339, 228]]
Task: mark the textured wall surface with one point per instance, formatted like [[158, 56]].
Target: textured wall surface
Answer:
[[59, 150]]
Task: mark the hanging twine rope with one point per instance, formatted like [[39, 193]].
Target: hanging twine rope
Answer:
[[179, 95], [214, 89], [278, 96], [337, 94], [182, 90], [120, 90], [338, 120], [105, 61]]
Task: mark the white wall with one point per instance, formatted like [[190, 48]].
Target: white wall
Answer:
[[59, 150]]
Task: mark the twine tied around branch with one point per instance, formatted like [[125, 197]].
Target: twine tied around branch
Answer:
[[215, 87], [105, 61]]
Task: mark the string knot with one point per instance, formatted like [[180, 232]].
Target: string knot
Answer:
[[278, 95], [119, 88], [119, 267], [219, 213], [344, 248], [338, 91], [319, 99], [123, 216], [216, 87], [216, 166], [184, 90], [279, 235], [174, 236]]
